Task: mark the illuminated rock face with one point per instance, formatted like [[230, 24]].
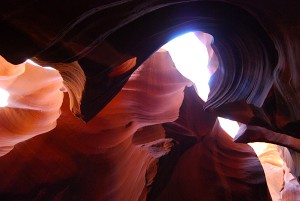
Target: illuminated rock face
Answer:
[[35, 97], [147, 135]]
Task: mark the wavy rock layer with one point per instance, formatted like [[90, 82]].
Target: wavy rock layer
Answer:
[[113, 157], [34, 102], [147, 138], [210, 165]]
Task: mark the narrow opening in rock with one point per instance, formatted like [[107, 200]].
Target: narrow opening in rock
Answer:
[[192, 53], [4, 95]]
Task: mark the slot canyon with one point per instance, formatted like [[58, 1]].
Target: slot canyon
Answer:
[[93, 107]]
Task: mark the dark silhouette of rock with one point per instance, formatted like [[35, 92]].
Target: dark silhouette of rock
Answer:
[[117, 121]]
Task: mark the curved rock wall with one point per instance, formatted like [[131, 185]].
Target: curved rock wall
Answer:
[[147, 136]]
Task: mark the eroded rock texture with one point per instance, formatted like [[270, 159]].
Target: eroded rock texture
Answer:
[[117, 121]]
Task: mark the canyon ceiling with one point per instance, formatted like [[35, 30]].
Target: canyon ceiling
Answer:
[[117, 121]]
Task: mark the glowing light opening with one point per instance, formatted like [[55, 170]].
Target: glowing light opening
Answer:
[[4, 95], [191, 60], [229, 126]]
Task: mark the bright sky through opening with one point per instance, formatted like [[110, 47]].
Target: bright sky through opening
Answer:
[[3, 98], [191, 60]]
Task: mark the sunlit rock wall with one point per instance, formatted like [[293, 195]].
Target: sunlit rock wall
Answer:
[[110, 124]]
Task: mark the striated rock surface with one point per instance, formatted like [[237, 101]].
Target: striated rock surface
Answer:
[[116, 120], [35, 98], [114, 156]]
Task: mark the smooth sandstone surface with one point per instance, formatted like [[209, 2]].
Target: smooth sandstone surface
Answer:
[[117, 121]]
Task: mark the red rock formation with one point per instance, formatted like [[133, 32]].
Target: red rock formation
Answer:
[[147, 136], [35, 98], [112, 152]]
